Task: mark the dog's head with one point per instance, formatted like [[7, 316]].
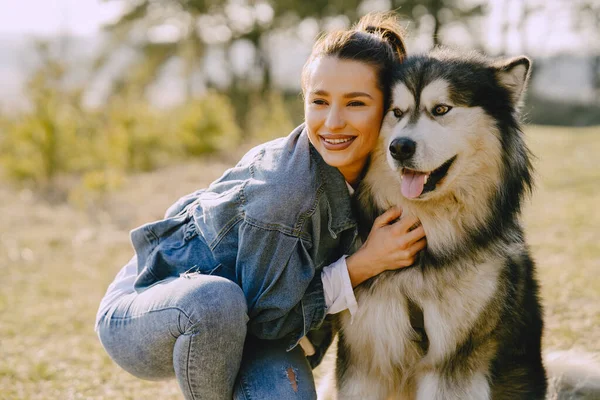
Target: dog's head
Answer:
[[444, 130]]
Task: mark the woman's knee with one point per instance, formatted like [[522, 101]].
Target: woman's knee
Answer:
[[142, 345], [212, 304]]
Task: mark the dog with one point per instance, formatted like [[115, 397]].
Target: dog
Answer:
[[465, 321]]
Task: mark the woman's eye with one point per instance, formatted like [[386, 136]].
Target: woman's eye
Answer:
[[441, 109], [398, 113], [319, 102], [356, 103]]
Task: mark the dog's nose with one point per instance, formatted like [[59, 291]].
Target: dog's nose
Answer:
[[402, 148]]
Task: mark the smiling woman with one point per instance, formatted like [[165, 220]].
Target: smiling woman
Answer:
[[229, 292]]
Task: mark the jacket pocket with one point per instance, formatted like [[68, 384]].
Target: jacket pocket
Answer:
[[181, 251]]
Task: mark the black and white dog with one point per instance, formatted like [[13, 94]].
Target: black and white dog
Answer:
[[465, 322]]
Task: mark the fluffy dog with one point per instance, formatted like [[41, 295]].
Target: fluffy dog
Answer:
[[464, 322]]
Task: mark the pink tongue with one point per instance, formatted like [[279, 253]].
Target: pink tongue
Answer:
[[412, 184]]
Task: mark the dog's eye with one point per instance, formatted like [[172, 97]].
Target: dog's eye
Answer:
[[398, 113], [441, 109]]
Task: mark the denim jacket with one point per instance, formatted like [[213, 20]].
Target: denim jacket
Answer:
[[270, 224]]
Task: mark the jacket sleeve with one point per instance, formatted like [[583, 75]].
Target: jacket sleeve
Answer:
[[182, 203], [283, 290]]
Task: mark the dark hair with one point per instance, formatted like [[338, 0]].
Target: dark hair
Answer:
[[377, 40]]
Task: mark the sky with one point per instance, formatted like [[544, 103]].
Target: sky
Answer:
[[49, 17]]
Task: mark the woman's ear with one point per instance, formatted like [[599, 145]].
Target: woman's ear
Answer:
[[513, 75]]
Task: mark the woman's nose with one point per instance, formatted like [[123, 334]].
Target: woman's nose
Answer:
[[335, 119]]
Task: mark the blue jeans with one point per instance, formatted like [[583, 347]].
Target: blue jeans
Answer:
[[193, 328]]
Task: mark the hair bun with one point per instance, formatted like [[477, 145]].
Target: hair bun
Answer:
[[396, 41], [387, 27]]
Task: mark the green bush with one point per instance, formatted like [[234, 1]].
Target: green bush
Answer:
[[94, 186], [268, 118], [133, 137], [40, 145], [57, 136], [206, 125]]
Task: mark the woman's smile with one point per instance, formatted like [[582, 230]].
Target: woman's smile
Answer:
[[336, 142]]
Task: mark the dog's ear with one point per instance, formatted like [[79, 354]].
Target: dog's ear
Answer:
[[513, 75]]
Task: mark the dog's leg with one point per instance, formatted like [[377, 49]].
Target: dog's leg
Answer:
[[353, 381], [436, 386], [355, 385]]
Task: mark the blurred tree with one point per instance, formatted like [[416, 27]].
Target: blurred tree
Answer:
[[43, 142], [268, 118], [4, 124], [165, 29], [183, 29], [159, 31], [207, 125], [440, 12], [134, 136], [186, 30], [525, 10], [587, 22]]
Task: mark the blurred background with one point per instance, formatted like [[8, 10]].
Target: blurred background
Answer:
[[111, 110], [185, 78]]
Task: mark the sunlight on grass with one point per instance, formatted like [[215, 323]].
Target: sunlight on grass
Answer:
[[563, 230]]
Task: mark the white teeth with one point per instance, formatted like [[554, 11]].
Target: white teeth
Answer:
[[426, 177], [337, 141]]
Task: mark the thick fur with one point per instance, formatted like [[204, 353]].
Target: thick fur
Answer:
[[465, 322], [572, 375]]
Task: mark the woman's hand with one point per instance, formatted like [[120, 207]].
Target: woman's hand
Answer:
[[390, 245]]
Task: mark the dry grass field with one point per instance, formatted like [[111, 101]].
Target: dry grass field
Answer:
[[56, 262]]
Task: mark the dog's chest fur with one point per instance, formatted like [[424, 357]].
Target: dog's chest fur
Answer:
[[381, 337]]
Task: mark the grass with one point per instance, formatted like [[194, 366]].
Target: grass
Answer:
[[56, 262], [563, 229]]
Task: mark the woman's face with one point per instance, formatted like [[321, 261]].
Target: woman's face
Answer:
[[343, 109]]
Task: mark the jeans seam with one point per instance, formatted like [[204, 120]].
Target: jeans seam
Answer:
[[187, 368], [245, 390]]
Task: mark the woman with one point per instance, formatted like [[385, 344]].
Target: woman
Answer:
[[220, 293]]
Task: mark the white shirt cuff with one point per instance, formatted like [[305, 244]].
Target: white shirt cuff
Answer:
[[339, 294]]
